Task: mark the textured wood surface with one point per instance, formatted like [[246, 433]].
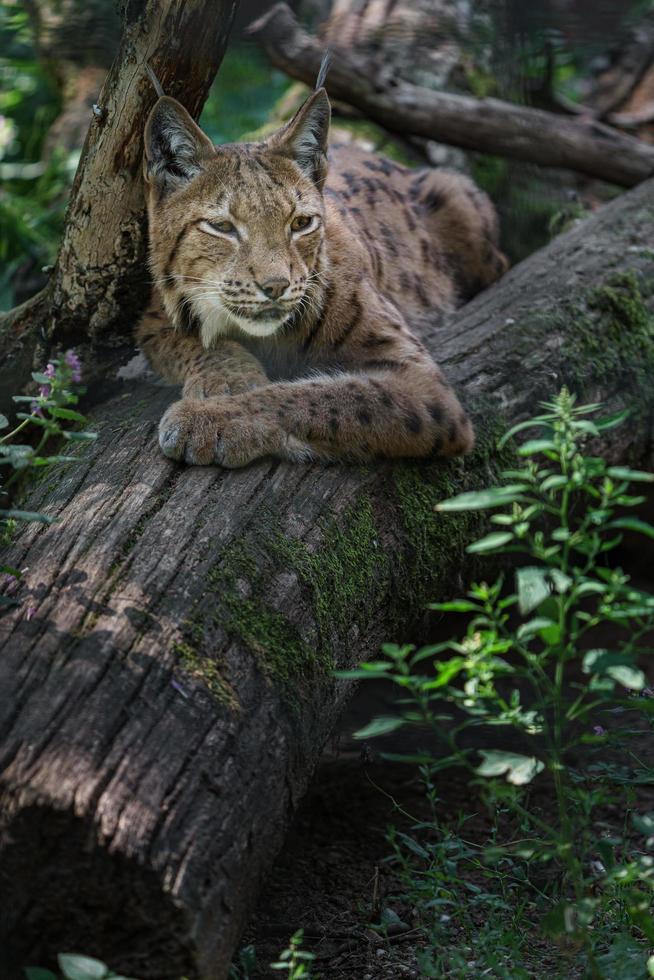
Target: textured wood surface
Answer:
[[165, 684]]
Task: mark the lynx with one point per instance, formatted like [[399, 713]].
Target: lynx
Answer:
[[290, 290]]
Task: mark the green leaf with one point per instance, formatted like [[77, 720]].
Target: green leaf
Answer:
[[611, 421], [41, 379], [519, 769], [532, 587], [380, 726], [630, 677], [632, 524], [547, 628], [4, 424], [38, 973], [483, 499], [554, 482], [76, 967], [616, 665], [560, 580], [625, 473], [27, 515], [585, 425], [446, 671], [458, 605], [494, 540], [528, 424], [533, 446], [80, 436], [67, 413]]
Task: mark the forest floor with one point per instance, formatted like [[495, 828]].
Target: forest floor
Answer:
[[335, 874]]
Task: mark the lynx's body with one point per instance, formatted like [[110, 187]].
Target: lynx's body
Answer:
[[289, 301]]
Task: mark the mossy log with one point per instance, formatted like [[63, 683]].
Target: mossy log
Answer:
[[486, 125], [166, 681]]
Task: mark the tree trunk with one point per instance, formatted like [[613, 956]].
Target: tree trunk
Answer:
[[167, 681], [486, 125], [100, 284]]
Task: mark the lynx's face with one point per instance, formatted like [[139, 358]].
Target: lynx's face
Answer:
[[236, 232]]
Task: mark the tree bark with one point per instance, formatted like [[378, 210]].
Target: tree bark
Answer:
[[166, 682], [486, 125], [100, 282]]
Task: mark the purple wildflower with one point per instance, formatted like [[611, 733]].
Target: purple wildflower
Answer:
[[50, 370], [36, 409], [599, 730], [29, 612], [75, 365]]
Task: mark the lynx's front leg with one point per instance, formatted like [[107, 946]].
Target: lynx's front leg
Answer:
[[225, 369], [388, 398], [404, 411]]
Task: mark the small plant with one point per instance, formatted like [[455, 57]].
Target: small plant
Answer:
[[49, 417], [294, 960], [535, 661]]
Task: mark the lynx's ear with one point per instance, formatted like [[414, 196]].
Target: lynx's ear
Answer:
[[304, 138], [174, 146]]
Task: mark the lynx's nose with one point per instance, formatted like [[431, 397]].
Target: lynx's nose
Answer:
[[274, 288]]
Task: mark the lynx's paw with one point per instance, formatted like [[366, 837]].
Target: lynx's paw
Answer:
[[213, 431]]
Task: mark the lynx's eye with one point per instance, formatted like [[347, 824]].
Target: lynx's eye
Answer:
[[301, 222], [218, 227], [226, 227]]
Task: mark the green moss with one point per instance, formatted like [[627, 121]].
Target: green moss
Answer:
[[344, 574], [233, 585], [610, 334], [434, 539], [205, 669]]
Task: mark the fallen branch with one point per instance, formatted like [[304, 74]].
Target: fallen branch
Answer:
[[485, 125], [167, 681]]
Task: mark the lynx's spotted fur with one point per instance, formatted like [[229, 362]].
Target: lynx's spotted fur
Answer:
[[288, 298]]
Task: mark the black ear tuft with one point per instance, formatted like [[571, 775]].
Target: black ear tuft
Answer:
[[304, 138], [174, 146]]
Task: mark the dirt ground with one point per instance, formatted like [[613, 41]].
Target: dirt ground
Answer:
[[331, 879]]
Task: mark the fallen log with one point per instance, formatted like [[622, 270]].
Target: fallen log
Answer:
[[485, 125], [166, 682]]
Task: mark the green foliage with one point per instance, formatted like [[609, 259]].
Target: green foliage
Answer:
[[34, 193], [294, 960], [241, 98], [533, 663], [47, 418]]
